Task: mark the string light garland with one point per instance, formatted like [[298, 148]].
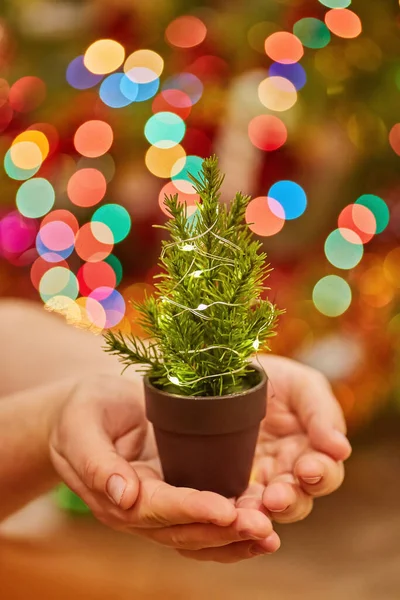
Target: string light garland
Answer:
[[204, 330]]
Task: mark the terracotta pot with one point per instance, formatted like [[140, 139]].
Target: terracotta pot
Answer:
[[207, 443]]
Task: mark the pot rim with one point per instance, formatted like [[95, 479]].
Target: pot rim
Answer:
[[260, 384]]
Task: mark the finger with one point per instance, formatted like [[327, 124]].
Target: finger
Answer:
[[318, 474], [100, 468], [99, 504], [249, 525], [286, 501], [325, 438], [252, 497], [279, 496], [312, 399], [235, 552], [160, 505]]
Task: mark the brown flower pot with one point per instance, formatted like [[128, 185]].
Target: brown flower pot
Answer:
[[207, 443]]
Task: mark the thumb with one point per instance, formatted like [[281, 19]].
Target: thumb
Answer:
[[103, 470]]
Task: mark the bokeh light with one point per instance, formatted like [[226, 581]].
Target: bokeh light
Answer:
[[265, 216], [343, 23], [20, 174], [116, 265], [35, 198], [116, 217], [93, 138], [79, 77], [294, 73], [165, 129], [375, 288], [174, 101], [51, 134], [63, 215], [336, 3], [358, 219], [391, 267], [94, 242], [112, 302], [55, 241], [187, 83], [160, 161], [379, 209], [332, 64], [312, 33], [30, 136], [86, 187], [198, 142], [111, 93], [267, 132], [143, 66], [26, 156], [332, 296], [145, 90], [394, 138], [342, 253], [291, 197], [365, 54], [40, 266], [169, 189], [367, 131], [104, 56], [92, 315], [65, 306], [181, 171], [277, 93], [93, 275], [136, 293], [58, 281], [185, 32], [284, 47], [27, 94], [17, 233]]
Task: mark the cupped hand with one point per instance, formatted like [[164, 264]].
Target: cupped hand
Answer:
[[302, 443], [103, 448]]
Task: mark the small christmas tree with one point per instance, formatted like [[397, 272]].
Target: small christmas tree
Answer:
[[207, 317]]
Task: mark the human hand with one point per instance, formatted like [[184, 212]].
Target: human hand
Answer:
[[103, 448], [301, 446]]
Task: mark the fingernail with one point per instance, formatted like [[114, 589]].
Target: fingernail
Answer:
[[246, 534], [280, 510], [312, 480], [115, 488], [257, 550]]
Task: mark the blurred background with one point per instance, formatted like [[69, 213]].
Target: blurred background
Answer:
[[105, 107]]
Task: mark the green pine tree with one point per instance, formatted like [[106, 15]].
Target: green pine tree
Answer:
[[207, 317]]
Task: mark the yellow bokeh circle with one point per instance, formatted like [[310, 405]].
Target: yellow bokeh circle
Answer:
[[36, 137], [143, 66], [277, 93], [160, 161], [26, 155], [104, 56]]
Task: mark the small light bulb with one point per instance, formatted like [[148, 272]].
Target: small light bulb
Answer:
[[174, 380], [256, 344], [188, 247], [202, 307], [197, 273]]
